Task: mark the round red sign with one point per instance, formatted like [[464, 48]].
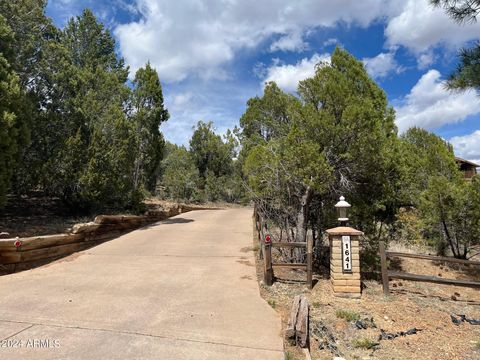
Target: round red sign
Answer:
[[268, 238]]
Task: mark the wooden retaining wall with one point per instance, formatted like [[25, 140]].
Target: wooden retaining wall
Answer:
[[39, 250]]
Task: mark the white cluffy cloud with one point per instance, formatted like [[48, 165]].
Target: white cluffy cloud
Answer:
[[197, 38], [185, 38], [292, 41], [467, 146], [419, 27], [287, 76], [429, 105], [382, 65]]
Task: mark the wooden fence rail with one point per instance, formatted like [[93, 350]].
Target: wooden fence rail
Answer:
[[388, 274], [265, 252]]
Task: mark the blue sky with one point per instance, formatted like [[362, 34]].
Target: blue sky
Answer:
[[213, 55]]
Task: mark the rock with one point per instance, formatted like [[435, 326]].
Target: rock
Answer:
[[365, 323], [453, 297], [455, 320], [456, 294], [326, 340], [470, 321], [390, 336]]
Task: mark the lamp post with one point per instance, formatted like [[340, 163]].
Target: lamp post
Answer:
[[345, 255], [342, 207]]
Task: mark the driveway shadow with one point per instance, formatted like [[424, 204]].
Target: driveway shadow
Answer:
[[166, 221], [177, 221]]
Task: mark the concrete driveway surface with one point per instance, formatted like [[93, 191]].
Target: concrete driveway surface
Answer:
[[183, 288]]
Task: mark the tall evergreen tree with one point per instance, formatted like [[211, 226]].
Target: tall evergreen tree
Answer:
[[148, 113], [10, 96], [303, 153], [96, 162], [210, 153]]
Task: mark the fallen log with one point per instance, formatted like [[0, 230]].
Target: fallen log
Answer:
[[298, 325], [301, 327], [115, 219], [39, 242], [10, 257], [84, 227], [292, 320]]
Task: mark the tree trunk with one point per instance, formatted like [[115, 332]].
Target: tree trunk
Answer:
[[302, 221], [450, 240]]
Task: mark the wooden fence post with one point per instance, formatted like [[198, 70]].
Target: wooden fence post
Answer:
[[383, 264], [268, 268], [309, 262]]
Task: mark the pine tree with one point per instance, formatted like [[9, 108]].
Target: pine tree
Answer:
[[467, 74]]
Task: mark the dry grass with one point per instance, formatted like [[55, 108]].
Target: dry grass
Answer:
[[348, 315], [364, 343]]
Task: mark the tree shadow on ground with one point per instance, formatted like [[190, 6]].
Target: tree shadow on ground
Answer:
[[173, 220]]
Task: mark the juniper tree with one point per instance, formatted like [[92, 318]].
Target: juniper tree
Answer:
[[148, 113], [334, 139]]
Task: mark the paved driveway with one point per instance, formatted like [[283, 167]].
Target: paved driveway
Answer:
[[184, 288]]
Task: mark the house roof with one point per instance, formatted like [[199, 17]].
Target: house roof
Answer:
[[460, 160]]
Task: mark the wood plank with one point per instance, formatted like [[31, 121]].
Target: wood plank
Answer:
[[10, 257], [38, 254], [307, 354], [289, 244], [268, 268], [292, 320], [290, 265], [50, 240], [383, 264], [431, 279], [115, 219], [310, 263], [104, 236], [432, 257], [85, 227], [38, 242], [301, 327]]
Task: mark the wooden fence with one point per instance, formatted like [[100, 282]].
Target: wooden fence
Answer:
[[266, 252], [388, 274]]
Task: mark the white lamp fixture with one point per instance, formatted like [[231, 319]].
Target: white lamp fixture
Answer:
[[342, 207]]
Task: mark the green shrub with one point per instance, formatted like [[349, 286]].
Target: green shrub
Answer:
[[363, 344], [348, 315]]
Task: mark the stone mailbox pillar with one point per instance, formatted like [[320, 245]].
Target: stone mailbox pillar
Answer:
[[345, 261]]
